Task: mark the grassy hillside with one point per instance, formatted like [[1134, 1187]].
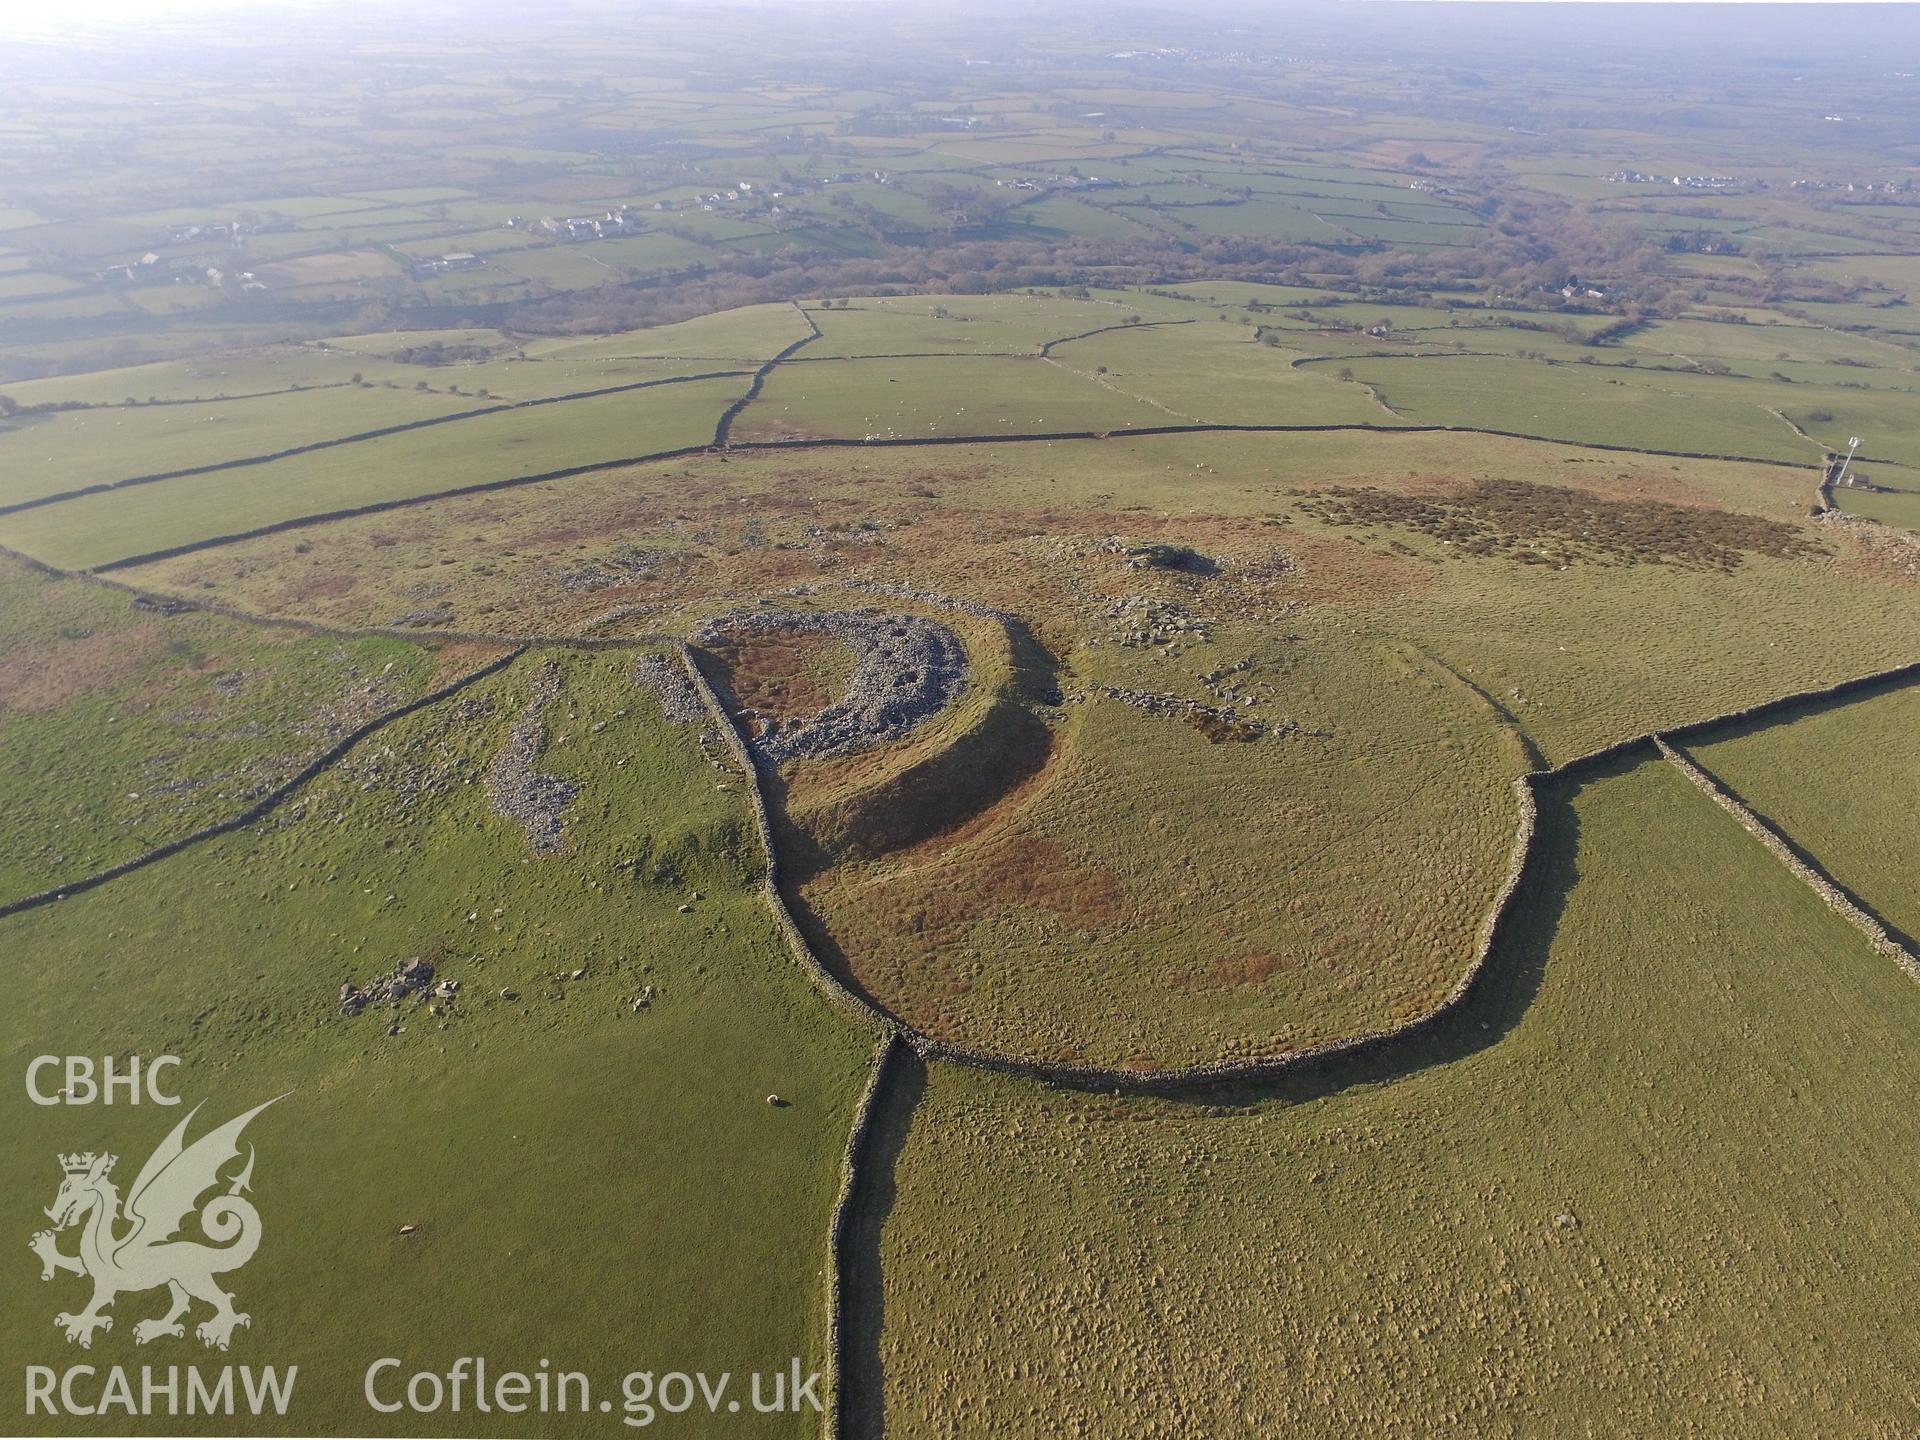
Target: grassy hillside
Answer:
[[1843, 783], [122, 729], [589, 1181], [1652, 1179]]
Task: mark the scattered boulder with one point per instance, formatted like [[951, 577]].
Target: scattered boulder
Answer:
[[409, 977]]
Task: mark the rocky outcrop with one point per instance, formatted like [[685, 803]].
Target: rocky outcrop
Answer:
[[408, 978]]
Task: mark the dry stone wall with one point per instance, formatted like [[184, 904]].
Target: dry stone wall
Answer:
[[839, 1260], [268, 801], [1837, 899]]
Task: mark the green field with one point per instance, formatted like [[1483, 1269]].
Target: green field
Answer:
[[70, 450], [1634, 1187], [950, 395], [536, 1130], [1581, 403], [484, 449], [121, 731], [1147, 500], [1216, 372], [1838, 782]]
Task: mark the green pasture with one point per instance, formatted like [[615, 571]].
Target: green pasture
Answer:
[[954, 324], [948, 395], [754, 332], [120, 731], [98, 528], [66, 450], [1592, 404], [538, 1159], [1842, 782], [1219, 373], [1651, 1177]]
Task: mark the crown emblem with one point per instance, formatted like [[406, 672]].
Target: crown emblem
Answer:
[[81, 1164]]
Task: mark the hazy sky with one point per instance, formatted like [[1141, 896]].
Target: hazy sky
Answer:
[[49, 18]]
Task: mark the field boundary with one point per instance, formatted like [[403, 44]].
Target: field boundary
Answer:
[[833, 1421], [242, 462], [843, 998], [890, 1035], [481, 487], [1045, 352], [1836, 896], [186, 605], [267, 802], [723, 428], [1526, 790]]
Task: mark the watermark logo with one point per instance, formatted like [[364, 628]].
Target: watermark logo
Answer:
[[125, 1250]]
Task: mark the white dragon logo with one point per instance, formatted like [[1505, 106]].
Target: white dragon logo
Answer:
[[146, 1255]]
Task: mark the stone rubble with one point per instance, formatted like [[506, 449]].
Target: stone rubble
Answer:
[[409, 977], [518, 791], [909, 669], [1159, 702], [628, 562], [1141, 621], [1898, 548], [678, 699]]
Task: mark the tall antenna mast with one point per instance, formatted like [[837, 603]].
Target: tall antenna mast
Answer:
[[1853, 444]]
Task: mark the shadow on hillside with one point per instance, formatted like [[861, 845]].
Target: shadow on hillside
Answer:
[[937, 797], [863, 1379]]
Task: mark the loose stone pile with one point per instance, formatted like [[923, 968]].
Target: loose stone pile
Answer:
[[679, 701], [518, 791], [909, 669], [409, 977], [1897, 548], [1195, 712], [1140, 621], [628, 562]]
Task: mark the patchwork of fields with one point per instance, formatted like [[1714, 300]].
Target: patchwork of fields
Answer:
[[1040, 733]]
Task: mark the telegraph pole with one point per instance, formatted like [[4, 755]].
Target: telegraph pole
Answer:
[[1853, 444]]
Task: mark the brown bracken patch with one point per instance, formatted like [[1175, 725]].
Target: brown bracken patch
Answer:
[[47, 676], [1249, 969], [786, 674], [1560, 525], [1011, 872], [321, 586]]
